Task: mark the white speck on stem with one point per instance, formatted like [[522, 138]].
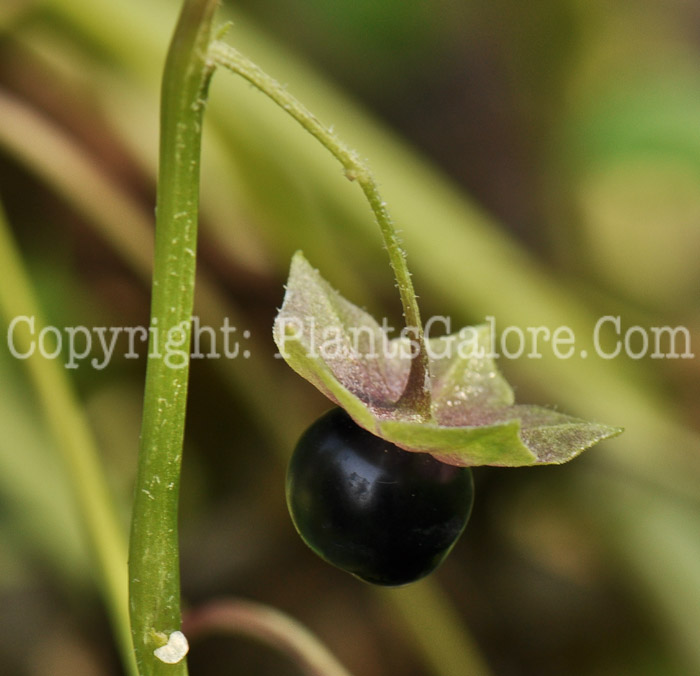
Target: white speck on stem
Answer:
[[174, 650]]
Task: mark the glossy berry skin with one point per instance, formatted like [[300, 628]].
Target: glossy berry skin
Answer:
[[386, 515]]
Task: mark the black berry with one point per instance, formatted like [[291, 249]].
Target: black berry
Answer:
[[386, 515]]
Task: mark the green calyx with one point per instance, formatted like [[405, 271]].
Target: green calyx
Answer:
[[473, 418]]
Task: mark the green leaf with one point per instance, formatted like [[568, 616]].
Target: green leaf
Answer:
[[344, 352]]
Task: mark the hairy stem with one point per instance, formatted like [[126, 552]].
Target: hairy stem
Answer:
[[416, 394], [154, 576]]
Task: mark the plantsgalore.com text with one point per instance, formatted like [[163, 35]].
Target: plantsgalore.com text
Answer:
[[97, 346]]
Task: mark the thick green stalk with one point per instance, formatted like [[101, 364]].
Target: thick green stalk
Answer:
[[416, 394], [74, 441], [154, 576]]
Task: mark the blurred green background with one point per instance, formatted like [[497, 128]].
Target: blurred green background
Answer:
[[542, 161]]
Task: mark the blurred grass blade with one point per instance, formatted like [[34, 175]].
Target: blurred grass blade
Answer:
[[442, 637], [657, 544], [36, 499], [75, 442], [35, 142]]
